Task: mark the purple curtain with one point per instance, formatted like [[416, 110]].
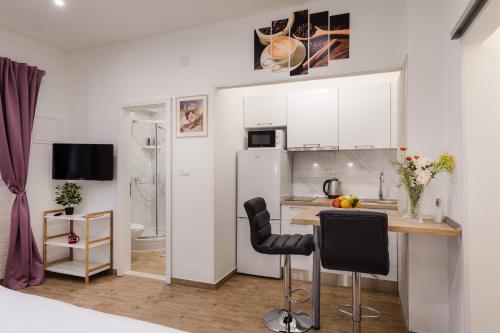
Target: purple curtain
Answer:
[[19, 86]]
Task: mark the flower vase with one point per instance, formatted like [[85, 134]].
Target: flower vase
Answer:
[[414, 212]]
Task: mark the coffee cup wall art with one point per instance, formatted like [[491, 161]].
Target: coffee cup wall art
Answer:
[[302, 41]]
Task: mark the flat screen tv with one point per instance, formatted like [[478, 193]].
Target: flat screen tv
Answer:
[[82, 161]]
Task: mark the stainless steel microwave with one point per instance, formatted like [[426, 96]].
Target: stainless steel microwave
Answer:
[[271, 139]]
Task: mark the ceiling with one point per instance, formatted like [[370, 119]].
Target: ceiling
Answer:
[[87, 23]]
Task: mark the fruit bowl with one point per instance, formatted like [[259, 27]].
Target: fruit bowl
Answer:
[[346, 202]]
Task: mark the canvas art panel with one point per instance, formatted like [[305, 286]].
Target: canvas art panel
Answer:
[[340, 31], [319, 41], [261, 39], [301, 42], [300, 32], [191, 113]]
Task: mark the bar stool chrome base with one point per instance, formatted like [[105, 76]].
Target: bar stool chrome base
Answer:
[[281, 320]]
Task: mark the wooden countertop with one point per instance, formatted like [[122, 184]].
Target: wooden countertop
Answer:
[[325, 202], [396, 223]]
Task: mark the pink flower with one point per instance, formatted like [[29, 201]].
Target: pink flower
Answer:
[[423, 176], [423, 162]]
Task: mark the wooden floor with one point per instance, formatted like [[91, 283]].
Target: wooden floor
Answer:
[[152, 262], [238, 306]]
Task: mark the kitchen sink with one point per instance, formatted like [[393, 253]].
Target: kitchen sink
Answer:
[[378, 201]]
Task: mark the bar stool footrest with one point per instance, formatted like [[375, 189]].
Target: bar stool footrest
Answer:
[[374, 313]]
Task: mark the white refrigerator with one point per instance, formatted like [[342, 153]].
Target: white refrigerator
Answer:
[[265, 173]]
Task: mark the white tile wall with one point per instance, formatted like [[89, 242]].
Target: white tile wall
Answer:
[[358, 171]]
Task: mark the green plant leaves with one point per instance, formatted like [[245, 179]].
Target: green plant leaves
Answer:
[[68, 194]]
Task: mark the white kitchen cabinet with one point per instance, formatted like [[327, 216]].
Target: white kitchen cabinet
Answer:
[[365, 116], [264, 111], [313, 119]]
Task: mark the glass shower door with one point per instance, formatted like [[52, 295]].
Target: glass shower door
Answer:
[[148, 188]]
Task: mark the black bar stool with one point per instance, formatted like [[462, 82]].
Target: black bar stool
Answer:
[[279, 320], [357, 242]]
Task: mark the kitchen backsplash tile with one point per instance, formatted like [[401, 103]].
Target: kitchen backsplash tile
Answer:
[[358, 171]]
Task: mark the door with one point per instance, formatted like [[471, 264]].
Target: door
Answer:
[[365, 116], [265, 111], [312, 118], [259, 176], [248, 261]]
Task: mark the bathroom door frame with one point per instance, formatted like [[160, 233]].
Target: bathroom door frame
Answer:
[[124, 174]]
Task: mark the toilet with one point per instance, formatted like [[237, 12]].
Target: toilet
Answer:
[[136, 230]]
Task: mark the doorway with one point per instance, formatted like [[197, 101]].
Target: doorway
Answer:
[[148, 195], [145, 162]]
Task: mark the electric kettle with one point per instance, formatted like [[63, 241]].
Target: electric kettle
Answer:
[[331, 187]]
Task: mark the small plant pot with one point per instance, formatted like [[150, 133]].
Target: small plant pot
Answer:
[[69, 210]]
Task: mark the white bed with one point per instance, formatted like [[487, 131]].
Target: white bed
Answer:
[[23, 313]]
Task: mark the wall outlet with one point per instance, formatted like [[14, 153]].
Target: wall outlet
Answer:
[[184, 61], [330, 170], [185, 172]]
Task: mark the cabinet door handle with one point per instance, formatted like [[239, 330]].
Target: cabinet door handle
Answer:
[[364, 146], [312, 145], [263, 124]]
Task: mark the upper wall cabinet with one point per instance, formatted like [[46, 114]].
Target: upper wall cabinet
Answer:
[[265, 111], [313, 120], [365, 116]]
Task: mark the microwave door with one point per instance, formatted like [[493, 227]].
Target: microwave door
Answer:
[[261, 139]]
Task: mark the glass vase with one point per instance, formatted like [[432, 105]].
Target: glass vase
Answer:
[[414, 212]]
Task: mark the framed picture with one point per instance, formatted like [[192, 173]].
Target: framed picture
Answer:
[[191, 113]]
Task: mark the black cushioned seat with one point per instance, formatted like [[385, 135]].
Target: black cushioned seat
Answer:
[[263, 241], [355, 241]]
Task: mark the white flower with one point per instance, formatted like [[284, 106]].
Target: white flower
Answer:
[[423, 176], [423, 162]]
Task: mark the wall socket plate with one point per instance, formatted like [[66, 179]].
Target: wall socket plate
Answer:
[[330, 170], [185, 172]]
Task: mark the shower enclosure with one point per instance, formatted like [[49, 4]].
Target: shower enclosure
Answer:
[[148, 183]]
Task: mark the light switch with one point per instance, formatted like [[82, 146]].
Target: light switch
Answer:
[[185, 172]]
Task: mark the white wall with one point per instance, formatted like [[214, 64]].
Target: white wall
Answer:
[[435, 125], [53, 101], [454, 145], [220, 55], [481, 176]]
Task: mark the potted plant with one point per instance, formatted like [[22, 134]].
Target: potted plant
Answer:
[[68, 194], [416, 172]]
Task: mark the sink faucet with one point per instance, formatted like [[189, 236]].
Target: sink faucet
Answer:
[[380, 192]]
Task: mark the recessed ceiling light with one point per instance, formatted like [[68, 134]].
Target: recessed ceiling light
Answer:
[[59, 3]]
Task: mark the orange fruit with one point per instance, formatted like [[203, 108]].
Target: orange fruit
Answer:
[[336, 203], [346, 204]]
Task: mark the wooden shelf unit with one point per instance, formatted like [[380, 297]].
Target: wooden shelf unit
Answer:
[[68, 265]]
